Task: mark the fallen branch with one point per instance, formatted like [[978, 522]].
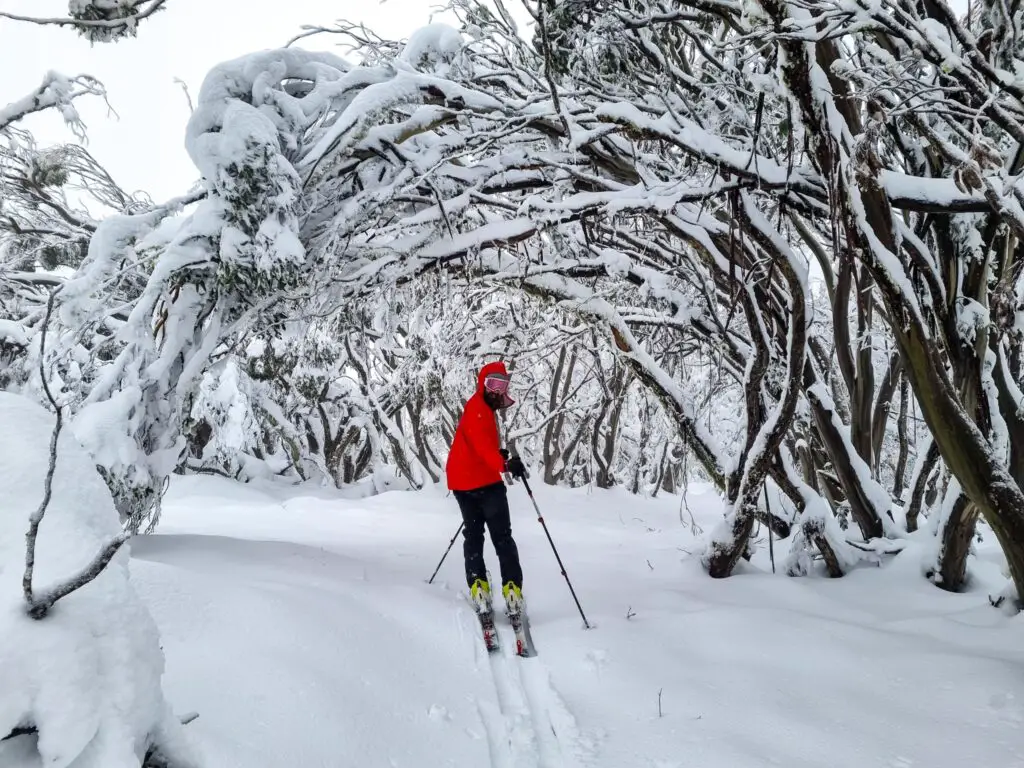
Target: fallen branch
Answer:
[[894, 550], [26, 730]]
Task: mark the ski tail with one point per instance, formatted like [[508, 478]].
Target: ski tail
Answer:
[[524, 640], [490, 632]]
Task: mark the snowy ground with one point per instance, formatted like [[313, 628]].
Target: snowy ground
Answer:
[[301, 628]]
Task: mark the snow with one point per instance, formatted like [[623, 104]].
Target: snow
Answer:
[[236, 104], [433, 48], [88, 674], [712, 148], [300, 627], [56, 90], [938, 192], [13, 332]]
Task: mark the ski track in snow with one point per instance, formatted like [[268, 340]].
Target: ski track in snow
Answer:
[[550, 712], [507, 720], [537, 728]]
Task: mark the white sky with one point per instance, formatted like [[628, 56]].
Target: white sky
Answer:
[[143, 145]]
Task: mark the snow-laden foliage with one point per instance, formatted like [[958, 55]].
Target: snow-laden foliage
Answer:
[[83, 683], [771, 243]]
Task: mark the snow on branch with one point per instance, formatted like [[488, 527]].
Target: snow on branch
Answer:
[[56, 91], [98, 20], [926, 195], [82, 663]]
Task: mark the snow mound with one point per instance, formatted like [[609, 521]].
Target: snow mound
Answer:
[[88, 675]]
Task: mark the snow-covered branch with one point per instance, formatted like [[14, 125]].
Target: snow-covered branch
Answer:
[[56, 91], [98, 20]]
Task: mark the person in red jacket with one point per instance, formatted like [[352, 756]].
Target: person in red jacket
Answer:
[[474, 471]]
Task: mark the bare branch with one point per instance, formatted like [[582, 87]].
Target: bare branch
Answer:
[[37, 516], [43, 603]]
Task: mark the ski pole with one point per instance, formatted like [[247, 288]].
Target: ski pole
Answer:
[[450, 545], [547, 533]]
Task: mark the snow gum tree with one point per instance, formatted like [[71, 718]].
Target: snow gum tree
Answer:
[[81, 661], [771, 244]]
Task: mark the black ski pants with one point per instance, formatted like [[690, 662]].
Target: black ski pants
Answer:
[[488, 506]]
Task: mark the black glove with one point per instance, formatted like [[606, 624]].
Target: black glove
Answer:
[[514, 466]]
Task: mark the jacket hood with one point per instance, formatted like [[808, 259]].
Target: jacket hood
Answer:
[[487, 370]]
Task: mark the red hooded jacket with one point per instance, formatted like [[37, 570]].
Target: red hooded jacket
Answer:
[[474, 460]]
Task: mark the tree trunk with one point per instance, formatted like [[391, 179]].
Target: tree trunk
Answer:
[[955, 535], [898, 482], [882, 409], [868, 518], [917, 494]]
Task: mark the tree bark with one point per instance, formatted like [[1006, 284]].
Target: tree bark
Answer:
[[955, 536]]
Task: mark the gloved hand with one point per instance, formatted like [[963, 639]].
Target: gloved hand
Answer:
[[515, 467]]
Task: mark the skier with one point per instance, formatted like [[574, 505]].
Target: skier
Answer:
[[474, 472]]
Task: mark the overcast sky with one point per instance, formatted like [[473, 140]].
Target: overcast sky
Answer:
[[143, 145]]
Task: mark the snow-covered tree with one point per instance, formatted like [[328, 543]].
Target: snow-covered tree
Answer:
[[741, 240], [80, 657], [81, 660]]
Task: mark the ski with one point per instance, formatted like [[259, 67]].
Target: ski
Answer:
[[491, 638], [524, 640], [485, 615]]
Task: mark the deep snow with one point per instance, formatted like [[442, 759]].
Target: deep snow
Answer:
[[300, 626], [87, 675]]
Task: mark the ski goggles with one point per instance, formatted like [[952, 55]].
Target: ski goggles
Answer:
[[497, 383]]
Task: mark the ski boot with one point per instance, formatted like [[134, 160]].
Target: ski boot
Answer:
[[480, 593], [513, 599]]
